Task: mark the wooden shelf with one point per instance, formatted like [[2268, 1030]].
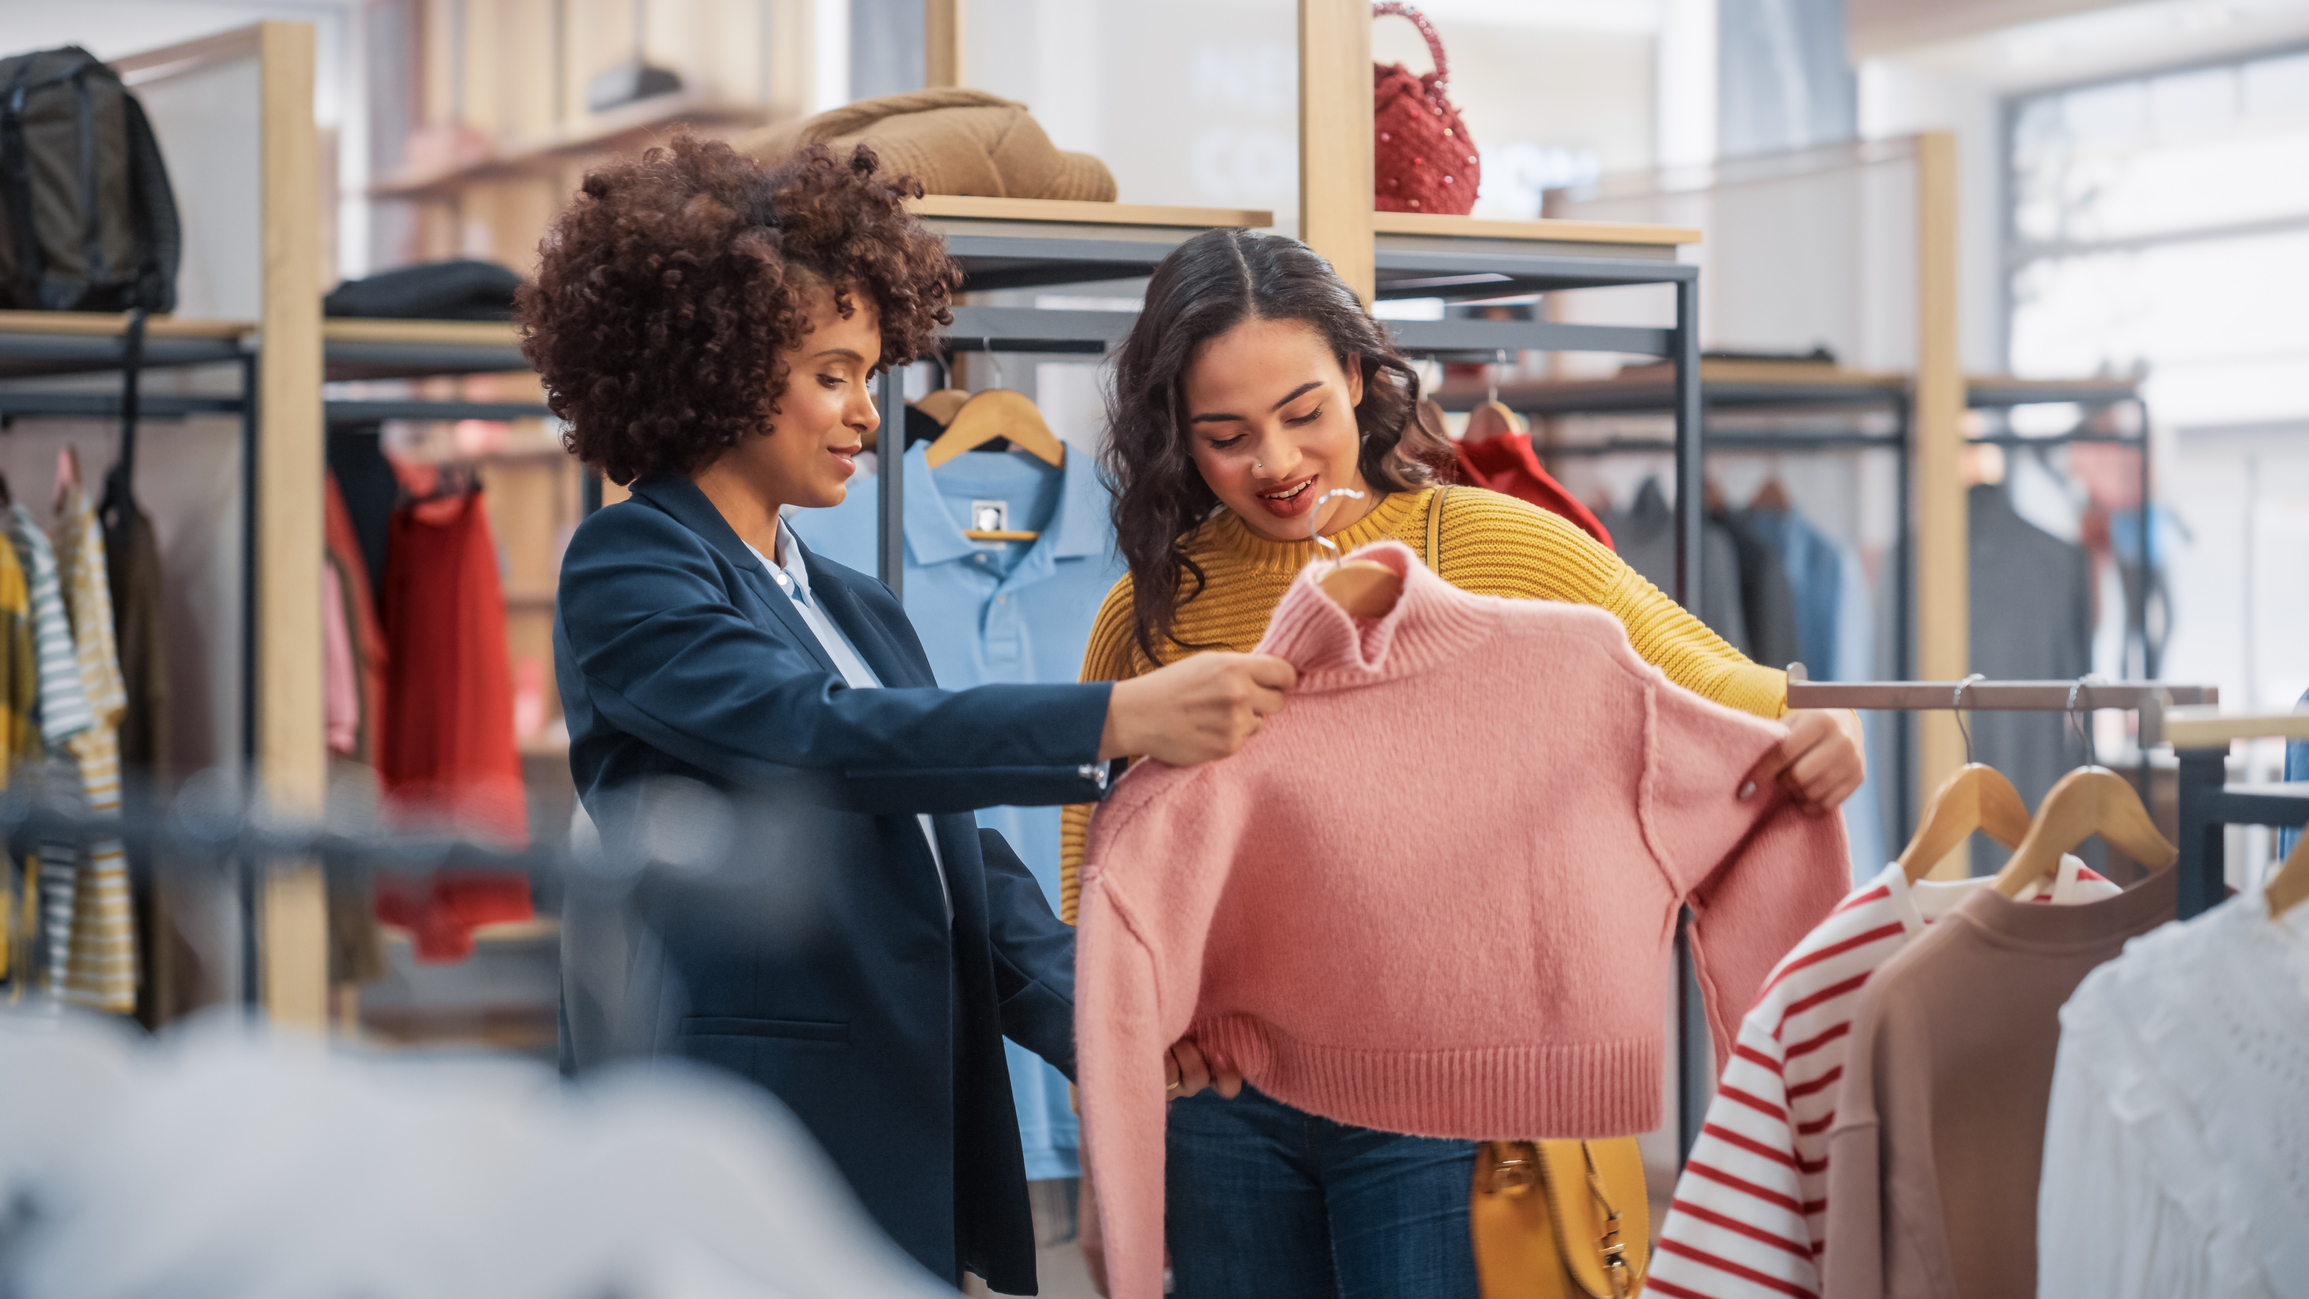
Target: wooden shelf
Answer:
[[431, 333], [1542, 230], [975, 207], [115, 324], [1778, 373], [615, 131]]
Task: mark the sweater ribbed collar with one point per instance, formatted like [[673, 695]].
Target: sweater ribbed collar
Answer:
[[1433, 623], [1230, 534]]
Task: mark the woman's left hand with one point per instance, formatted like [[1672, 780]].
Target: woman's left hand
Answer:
[[1820, 763], [1185, 1072]]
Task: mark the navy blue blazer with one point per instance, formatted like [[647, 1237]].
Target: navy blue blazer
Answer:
[[677, 655]]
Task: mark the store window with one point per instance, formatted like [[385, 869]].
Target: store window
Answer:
[[2160, 224]]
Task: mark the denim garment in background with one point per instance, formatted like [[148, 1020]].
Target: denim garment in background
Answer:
[[1015, 613], [2296, 768], [1268, 1202], [1836, 634]]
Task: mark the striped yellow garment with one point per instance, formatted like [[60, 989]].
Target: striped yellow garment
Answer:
[[1491, 544], [103, 964], [19, 742]]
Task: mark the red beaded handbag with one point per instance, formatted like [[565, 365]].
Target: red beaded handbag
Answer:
[[1422, 160]]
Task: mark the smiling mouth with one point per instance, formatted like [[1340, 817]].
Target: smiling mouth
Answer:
[[1288, 493]]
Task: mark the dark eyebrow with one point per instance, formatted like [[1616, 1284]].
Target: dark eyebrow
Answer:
[[1295, 394], [843, 352]]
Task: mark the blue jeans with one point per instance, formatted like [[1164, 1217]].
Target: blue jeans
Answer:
[[1268, 1202]]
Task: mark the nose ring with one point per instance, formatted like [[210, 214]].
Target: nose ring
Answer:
[[1257, 467]]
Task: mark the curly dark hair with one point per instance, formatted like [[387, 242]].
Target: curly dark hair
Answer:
[[1205, 287], [673, 283]]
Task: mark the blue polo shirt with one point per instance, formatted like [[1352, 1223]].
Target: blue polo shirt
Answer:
[[998, 613]]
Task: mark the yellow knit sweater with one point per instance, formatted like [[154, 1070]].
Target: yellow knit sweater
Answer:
[[1492, 544]]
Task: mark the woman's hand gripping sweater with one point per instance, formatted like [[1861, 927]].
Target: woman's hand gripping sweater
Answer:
[[1437, 894]]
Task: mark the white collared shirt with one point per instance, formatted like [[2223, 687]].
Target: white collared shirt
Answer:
[[793, 578]]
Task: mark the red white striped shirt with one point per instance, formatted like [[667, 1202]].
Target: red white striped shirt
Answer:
[[1750, 1210]]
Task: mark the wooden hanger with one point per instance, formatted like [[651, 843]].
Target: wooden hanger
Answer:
[[1773, 495], [2086, 802], [942, 404], [67, 475], [1491, 419], [997, 413], [2289, 887], [1977, 797], [1363, 587], [983, 417]]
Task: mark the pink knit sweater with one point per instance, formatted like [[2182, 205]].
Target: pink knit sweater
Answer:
[[1437, 894]]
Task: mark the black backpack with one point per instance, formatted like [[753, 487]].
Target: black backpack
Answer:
[[87, 218]]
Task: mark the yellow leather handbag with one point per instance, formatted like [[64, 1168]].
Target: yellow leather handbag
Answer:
[[1560, 1219]]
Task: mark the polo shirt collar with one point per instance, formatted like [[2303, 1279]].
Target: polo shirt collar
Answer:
[[934, 536]]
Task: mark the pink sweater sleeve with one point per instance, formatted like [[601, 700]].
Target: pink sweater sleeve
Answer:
[[1757, 872], [1138, 963]]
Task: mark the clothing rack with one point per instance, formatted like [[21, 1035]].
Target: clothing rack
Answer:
[[2208, 803], [55, 344], [1799, 386]]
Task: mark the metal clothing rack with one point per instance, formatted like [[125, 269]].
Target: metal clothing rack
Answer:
[[46, 344], [1755, 386], [2208, 803]]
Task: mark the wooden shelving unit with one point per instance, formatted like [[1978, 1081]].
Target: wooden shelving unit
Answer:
[[599, 133]]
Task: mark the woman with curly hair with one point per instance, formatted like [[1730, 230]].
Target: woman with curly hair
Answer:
[[709, 329], [1252, 384]]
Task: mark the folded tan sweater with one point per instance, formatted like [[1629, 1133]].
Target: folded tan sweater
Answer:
[[956, 141]]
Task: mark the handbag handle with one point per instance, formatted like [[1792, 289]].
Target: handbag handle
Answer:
[[1384, 8]]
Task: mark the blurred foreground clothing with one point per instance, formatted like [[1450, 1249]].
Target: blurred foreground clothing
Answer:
[[230, 1162]]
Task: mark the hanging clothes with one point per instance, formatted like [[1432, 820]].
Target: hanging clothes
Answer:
[[63, 714], [366, 641], [2031, 608], [1835, 641], [19, 743], [1512, 983], [1767, 605], [1507, 463], [104, 955], [2296, 768], [370, 492], [447, 754], [132, 564], [1751, 1206], [1645, 534], [998, 613], [1938, 1139], [2175, 1146]]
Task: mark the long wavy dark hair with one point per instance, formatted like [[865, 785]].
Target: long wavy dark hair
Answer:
[[1207, 286]]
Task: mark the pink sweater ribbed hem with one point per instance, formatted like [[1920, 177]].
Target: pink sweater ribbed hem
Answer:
[[1515, 1093]]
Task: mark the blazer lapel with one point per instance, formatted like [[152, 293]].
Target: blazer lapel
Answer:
[[681, 498], [874, 643]]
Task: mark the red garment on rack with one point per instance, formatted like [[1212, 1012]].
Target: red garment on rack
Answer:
[[1506, 463], [368, 639], [446, 751]]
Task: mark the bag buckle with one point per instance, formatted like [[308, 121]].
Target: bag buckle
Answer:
[[1516, 1173], [1615, 1263]]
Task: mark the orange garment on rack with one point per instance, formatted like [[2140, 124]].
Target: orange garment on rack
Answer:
[[445, 749], [1506, 463]]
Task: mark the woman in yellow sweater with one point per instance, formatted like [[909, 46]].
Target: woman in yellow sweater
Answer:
[[1253, 383]]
